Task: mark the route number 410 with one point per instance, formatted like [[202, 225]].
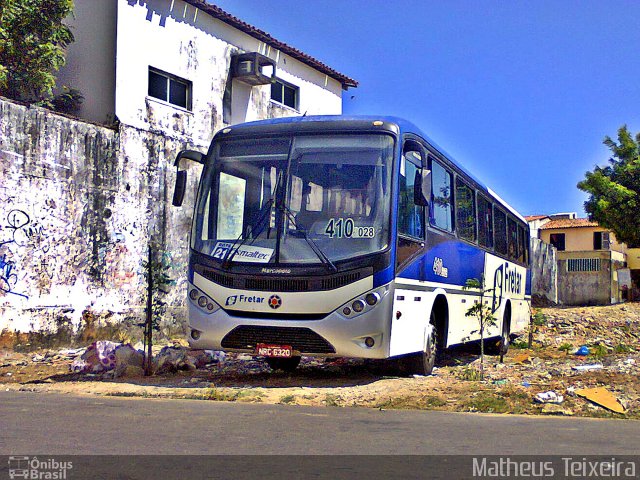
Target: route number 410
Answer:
[[345, 228]]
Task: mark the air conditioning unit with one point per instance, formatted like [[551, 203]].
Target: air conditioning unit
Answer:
[[253, 68]]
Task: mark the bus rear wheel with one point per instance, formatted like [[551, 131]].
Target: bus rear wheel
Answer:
[[284, 364], [500, 346]]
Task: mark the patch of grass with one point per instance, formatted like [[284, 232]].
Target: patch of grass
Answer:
[[287, 399], [566, 347], [487, 402], [598, 351], [520, 344], [539, 319], [469, 373], [220, 395], [623, 348], [331, 400]]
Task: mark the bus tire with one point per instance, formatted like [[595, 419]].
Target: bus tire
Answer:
[[422, 363], [500, 345], [284, 364]]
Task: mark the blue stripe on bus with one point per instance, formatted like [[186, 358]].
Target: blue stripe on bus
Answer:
[[450, 262]]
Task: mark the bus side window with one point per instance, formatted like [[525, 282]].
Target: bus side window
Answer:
[[500, 229], [512, 237], [441, 211], [410, 216], [523, 238], [485, 222], [465, 211]]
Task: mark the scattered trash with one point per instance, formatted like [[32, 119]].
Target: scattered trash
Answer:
[[548, 397], [526, 384], [583, 351], [587, 368], [601, 396], [9, 374], [37, 358], [502, 381], [415, 375]]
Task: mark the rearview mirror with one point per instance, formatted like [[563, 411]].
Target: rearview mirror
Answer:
[[180, 188], [422, 187]]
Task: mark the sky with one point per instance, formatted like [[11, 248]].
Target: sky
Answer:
[[521, 93]]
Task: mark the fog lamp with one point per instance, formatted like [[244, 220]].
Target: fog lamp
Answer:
[[372, 298], [195, 334], [369, 342]]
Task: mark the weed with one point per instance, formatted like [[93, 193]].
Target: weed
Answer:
[[219, 395], [539, 319], [565, 347], [520, 344], [623, 348], [487, 403], [287, 399], [470, 374], [331, 400], [598, 351]]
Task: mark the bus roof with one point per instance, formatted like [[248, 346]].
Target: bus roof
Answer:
[[396, 125]]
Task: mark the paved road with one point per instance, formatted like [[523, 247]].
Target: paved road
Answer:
[[56, 424]]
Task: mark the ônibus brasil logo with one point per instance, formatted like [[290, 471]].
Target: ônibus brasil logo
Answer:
[[275, 301]]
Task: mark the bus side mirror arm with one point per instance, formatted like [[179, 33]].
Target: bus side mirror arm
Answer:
[[422, 188], [181, 175]]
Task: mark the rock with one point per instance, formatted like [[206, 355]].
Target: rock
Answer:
[[127, 356], [172, 359], [133, 371], [38, 358]]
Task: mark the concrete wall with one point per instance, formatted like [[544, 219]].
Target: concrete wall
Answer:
[[581, 239], [78, 205], [544, 272], [588, 288]]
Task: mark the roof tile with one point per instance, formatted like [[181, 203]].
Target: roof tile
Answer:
[[569, 223], [263, 36]]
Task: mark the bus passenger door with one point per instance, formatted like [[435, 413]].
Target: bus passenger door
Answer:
[[410, 313]]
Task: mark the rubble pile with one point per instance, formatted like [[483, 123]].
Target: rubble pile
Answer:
[[583, 361]]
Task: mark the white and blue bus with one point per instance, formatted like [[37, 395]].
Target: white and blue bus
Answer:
[[346, 237]]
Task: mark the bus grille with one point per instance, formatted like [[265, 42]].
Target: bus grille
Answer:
[[301, 339], [218, 278], [340, 281], [277, 284]]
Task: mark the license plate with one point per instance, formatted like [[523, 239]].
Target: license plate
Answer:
[[266, 350]]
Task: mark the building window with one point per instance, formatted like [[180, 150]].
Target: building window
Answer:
[[601, 241], [285, 93], [557, 240], [583, 265], [169, 88]]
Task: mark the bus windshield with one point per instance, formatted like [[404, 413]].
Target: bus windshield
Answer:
[[295, 200]]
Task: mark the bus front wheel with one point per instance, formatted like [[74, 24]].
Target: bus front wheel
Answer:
[[285, 364]]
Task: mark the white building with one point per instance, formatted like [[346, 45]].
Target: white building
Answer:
[[166, 66]]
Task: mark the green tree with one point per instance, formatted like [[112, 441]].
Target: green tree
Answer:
[[32, 43], [482, 313], [614, 190]]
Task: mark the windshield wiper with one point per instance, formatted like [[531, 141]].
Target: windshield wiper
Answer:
[[314, 246], [263, 221]]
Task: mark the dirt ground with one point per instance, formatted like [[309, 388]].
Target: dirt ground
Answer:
[[611, 333]]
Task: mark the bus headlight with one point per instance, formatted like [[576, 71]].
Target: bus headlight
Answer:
[[372, 298], [358, 306], [364, 303], [202, 301]]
